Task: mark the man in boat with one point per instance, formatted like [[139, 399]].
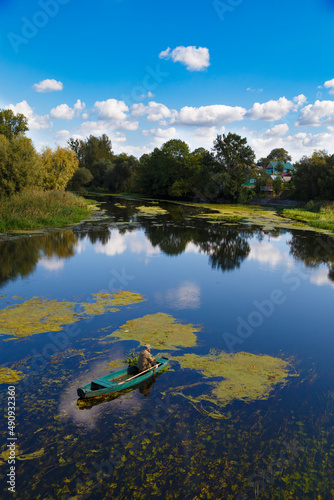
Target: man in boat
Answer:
[[146, 360]]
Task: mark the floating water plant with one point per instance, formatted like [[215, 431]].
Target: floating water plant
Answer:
[[151, 211], [9, 376], [39, 314], [247, 376], [160, 330]]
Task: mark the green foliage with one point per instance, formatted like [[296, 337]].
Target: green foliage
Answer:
[[132, 359], [58, 167], [36, 209], [121, 173], [12, 125], [81, 177], [234, 162], [20, 166], [314, 178], [168, 171], [278, 185]]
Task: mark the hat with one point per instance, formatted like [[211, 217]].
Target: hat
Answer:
[[147, 346]]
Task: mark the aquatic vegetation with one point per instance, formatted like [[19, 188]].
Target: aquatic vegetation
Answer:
[[40, 315], [36, 315], [104, 302], [247, 376], [4, 456], [151, 211], [9, 376], [160, 330]]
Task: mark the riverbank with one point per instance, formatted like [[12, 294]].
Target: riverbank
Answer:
[[40, 209]]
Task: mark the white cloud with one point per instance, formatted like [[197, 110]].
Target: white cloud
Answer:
[[330, 85], [166, 133], [186, 296], [48, 86], [277, 131], [300, 100], [35, 122], [249, 89], [266, 253], [155, 111], [64, 112], [271, 110], [195, 59], [217, 114], [52, 264], [119, 137], [111, 109], [319, 113]]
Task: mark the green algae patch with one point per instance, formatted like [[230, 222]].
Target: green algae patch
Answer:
[[9, 376], [36, 315], [160, 330], [151, 211], [247, 376], [40, 315], [107, 302]]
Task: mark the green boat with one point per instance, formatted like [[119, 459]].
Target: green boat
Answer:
[[120, 380]]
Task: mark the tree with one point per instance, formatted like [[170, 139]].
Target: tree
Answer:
[[12, 125], [234, 162], [278, 185], [80, 179], [168, 171], [20, 165], [119, 176], [58, 167], [95, 154], [314, 178], [279, 154]]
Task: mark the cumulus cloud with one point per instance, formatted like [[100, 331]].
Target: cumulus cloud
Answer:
[[48, 86], [195, 59], [35, 122], [111, 109], [271, 110], [319, 113], [277, 131], [167, 133], [154, 111], [217, 114], [330, 85], [65, 112]]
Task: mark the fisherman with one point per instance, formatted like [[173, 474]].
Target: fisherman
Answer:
[[146, 359]]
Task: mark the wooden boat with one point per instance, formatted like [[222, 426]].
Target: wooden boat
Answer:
[[120, 380]]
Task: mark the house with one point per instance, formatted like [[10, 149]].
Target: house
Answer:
[[273, 168]]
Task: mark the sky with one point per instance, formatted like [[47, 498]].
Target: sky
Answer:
[[144, 72]]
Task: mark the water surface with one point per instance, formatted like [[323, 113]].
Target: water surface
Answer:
[[265, 292]]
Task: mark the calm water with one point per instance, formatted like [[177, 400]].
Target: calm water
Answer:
[[150, 442]]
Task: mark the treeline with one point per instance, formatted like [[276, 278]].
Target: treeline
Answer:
[[171, 171], [21, 167]]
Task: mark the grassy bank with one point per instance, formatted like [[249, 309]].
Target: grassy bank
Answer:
[[319, 215], [38, 209]]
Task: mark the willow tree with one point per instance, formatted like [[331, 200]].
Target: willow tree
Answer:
[[58, 167]]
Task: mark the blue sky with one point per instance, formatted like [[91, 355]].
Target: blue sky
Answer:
[[145, 72]]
